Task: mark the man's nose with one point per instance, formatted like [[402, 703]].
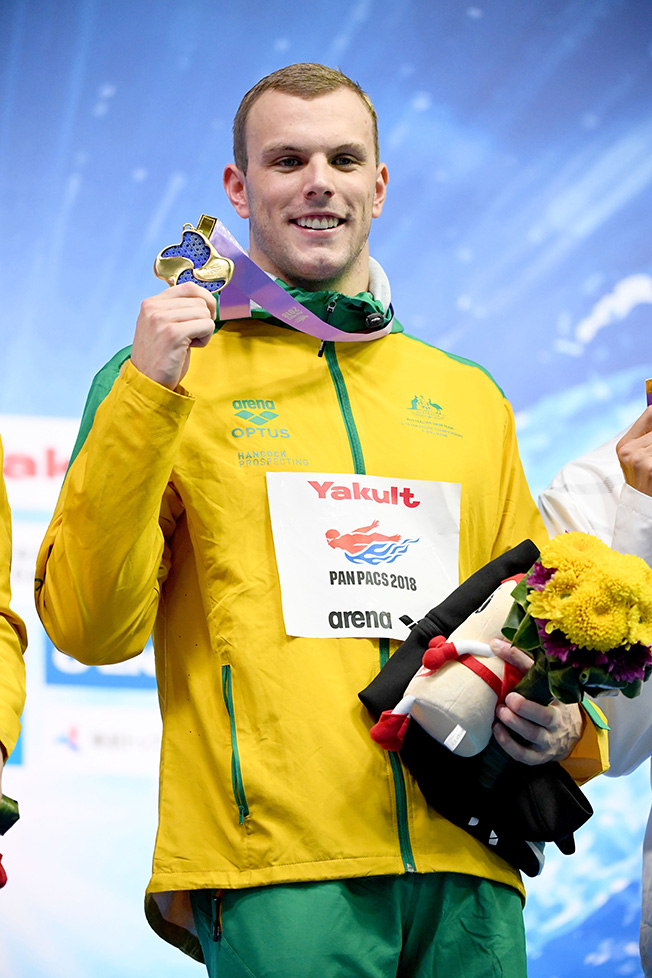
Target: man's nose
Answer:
[[318, 180]]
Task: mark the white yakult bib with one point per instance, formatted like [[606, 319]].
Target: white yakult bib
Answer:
[[355, 552]]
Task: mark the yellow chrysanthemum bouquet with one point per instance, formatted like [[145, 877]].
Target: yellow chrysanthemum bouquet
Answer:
[[584, 613]]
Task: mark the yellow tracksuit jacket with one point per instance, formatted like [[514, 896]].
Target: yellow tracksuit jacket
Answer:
[[268, 773], [13, 639]]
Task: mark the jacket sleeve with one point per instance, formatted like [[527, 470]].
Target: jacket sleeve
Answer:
[[590, 756], [13, 639], [104, 557]]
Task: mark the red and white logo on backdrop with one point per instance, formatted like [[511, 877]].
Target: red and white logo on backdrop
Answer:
[[36, 455]]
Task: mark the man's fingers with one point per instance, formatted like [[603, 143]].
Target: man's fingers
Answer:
[[203, 339], [527, 709], [191, 290], [518, 723], [516, 657], [169, 324], [519, 752], [551, 731]]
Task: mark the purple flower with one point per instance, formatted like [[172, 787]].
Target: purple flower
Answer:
[[627, 665], [555, 644], [539, 576], [622, 665]]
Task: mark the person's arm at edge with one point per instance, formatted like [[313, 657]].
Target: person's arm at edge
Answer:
[[13, 642], [631, 739]]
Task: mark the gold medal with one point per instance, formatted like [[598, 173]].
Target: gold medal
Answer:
[[194, 259]]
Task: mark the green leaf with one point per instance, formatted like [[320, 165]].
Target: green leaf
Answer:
[[513, 621], [520, 592], [535, 684], [8, 813], [526, 636], [564, 683]]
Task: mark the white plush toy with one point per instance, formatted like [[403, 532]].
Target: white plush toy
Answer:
[[454, 694]]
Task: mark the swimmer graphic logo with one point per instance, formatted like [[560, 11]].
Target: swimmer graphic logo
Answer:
[[365, 546], [356, 552]]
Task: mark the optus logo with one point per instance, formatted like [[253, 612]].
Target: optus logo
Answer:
[[257, 412]]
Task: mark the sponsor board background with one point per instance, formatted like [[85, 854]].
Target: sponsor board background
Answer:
[[516, 232]]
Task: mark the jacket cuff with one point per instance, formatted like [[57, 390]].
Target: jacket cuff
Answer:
[[149, 389], [591, 754]]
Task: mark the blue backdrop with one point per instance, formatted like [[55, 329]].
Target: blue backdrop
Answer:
[[518, 137]]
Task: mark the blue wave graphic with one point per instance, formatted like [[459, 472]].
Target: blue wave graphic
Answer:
[[380, 553]]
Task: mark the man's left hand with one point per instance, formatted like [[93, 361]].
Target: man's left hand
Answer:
[[551, 731]]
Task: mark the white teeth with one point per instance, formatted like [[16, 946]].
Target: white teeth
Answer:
[[318, 223]]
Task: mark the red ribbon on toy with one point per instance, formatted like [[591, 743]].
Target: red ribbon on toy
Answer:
[[483, 672], [389, 731], [511, 677], [438, 653]]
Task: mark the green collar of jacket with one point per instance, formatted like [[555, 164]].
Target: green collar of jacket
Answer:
[[345, 312]]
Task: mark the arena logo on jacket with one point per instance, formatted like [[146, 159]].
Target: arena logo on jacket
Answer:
[[254, 415], [354, 552], [428, 416]]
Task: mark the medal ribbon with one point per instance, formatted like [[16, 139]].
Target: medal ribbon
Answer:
[[251, 284]]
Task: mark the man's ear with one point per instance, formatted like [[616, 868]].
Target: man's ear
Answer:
[[380, 192], [236, 189]]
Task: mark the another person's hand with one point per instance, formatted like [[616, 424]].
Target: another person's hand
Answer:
[[169, 325], [634, 452], [551, 731]]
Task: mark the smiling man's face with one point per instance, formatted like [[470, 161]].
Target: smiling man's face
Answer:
[[311, 188]]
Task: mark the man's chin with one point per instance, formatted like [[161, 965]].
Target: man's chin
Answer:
[[321, 278]]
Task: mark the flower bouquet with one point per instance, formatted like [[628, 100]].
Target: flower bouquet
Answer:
[[584, 614]]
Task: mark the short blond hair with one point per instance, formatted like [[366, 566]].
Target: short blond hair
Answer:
[[308, 81]]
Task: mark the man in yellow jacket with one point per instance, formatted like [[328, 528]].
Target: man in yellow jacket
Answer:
[[213, 468], [13, 641]]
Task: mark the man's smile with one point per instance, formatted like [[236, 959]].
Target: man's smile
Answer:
[[318, 222]]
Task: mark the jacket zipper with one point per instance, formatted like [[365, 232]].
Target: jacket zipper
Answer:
[[345, 408], [399, 787], [236, 773], [400, 791]]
